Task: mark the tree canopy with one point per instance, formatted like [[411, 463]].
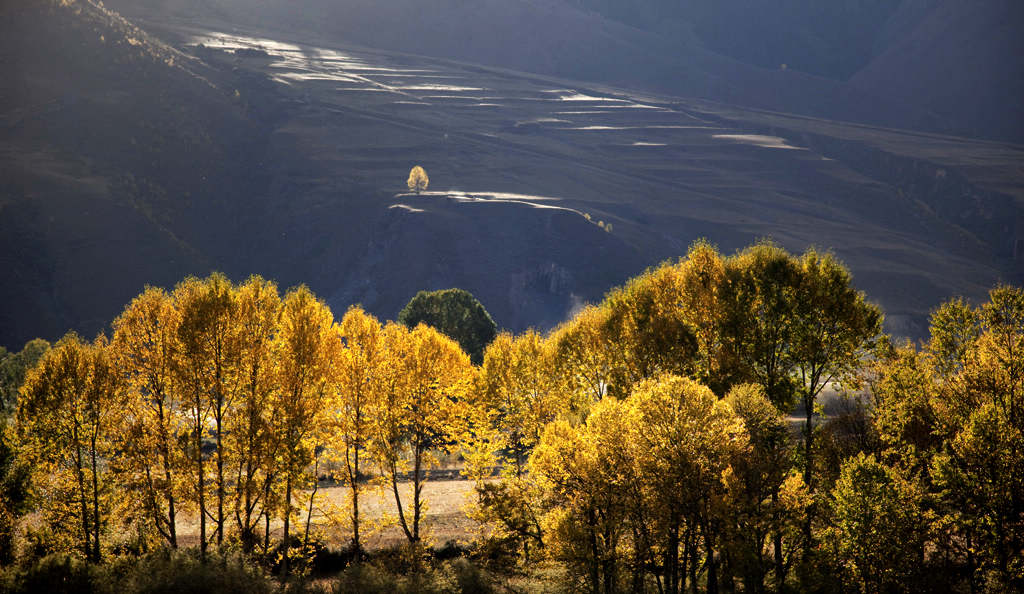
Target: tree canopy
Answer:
[[418, 180], [13, 367], [456, 314], [647, 444]]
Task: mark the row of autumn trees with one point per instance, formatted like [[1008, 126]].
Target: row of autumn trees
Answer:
[[653, 442], [219, 405], [644, 441], [667, 438]]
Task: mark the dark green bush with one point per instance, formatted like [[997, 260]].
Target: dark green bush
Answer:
[[54, 574], [451, 577], [365, 578], [183, 573], [470, 578]]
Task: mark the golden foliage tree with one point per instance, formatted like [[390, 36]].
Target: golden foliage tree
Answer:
[[306, 348], [761, 293], [206, 368], [588, 505], [144, 347], [360, 369], [683, 440], [584, 357], [252, 449], [834, 334], [765, 497], [878, 528], [647, 330], [641, 478], [428, 374], [517, 392], [949, 422], [70, 407], [418, 180], [518, 385]]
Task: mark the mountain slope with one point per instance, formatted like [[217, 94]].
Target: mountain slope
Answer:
[[961, 69], [113, 153], [939, 65], [126, 161]]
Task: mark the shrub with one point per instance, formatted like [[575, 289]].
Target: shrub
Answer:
[[54, 574], [451, 577], [176, 572]]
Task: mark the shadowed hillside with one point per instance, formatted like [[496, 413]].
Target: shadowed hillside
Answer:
[[938, 65], [117, 152], [281, 152], [126, 162], [961, 67]]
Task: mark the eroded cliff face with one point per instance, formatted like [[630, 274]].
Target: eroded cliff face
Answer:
[[530, 265]]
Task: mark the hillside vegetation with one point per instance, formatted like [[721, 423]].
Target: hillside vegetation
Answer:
[[644, 445]]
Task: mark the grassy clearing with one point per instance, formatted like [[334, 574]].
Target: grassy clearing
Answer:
[[445, 519]]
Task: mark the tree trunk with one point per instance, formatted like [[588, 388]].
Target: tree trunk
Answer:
[[809, 472], [266, 530], [780, 566], [809, 441], [84, 499], [287, 525], [416, 486], [95, 502], [595, 572], [309, 510], [693, 555], [672, 554], [165, 454], [354, 482], [712, 566], [220, 476], [202, 487], [638, 565], [398, 502]]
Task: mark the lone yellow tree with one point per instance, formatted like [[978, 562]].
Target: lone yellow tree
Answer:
[[418, 179]]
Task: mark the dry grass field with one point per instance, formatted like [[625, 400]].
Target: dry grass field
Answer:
[[445, 519]]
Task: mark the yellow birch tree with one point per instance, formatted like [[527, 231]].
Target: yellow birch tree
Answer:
[[143, 347], [359, 382], [69, 408], [306, 349]]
